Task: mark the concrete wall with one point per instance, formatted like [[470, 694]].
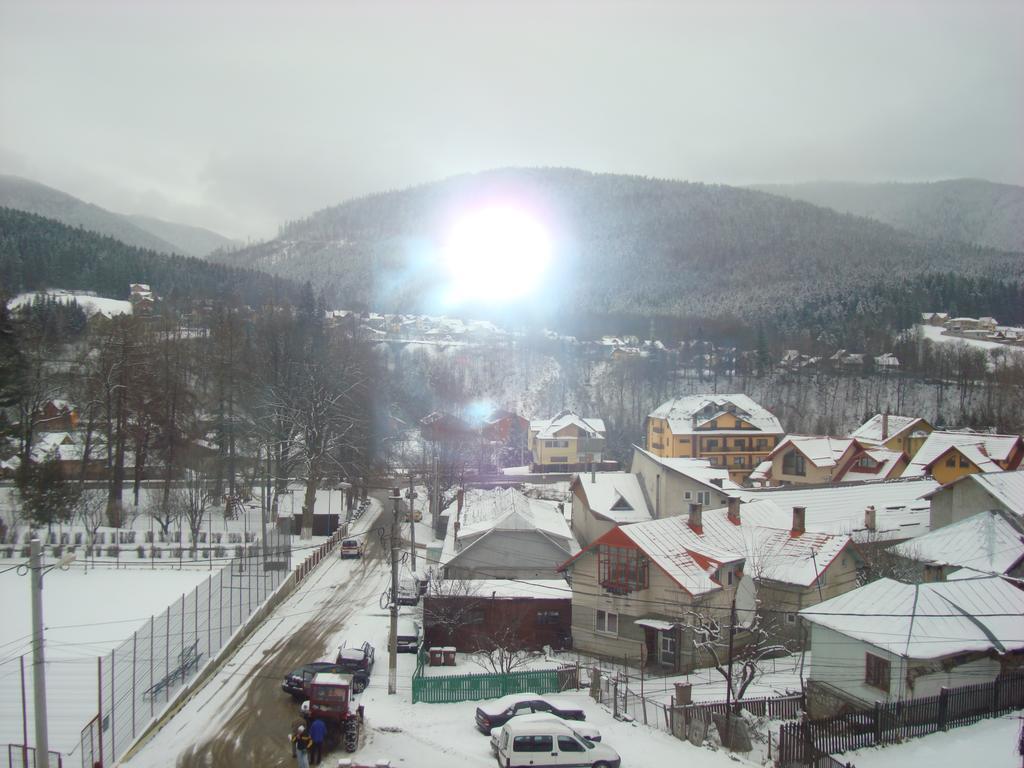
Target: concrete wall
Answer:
[[839, 661], [667, 490], [966, 498], [508, 555]]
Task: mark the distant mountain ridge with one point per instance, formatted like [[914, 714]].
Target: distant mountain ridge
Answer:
[[626, 245], [141, 231], [968, 210]]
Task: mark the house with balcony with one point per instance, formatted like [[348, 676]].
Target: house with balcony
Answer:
[[731, 431], [638, 589], [567, 442], [813, 460]]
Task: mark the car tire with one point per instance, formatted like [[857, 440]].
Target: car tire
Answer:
[[358, 686], [602, 764]]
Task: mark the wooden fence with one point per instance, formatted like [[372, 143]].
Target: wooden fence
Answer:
[[805, 743]]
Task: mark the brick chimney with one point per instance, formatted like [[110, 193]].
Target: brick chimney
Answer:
[[885, 425], [870, 520], [799, 521], [696, 521], [734, 510]]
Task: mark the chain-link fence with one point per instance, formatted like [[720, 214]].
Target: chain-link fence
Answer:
[[141, 676]]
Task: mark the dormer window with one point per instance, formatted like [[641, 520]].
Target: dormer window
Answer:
[[793, 463]]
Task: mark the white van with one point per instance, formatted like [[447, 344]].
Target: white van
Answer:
[[523, 744]]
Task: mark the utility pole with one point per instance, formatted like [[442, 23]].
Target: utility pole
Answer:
[[38, 657], [412, 496], [435, 498], [396, 498], [728, 677]]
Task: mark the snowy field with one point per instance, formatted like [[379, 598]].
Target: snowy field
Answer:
[[987, 744], [89, 302], [86, 613], [935, 333]]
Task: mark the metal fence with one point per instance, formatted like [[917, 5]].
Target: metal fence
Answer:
[[447, 689], [139, 678]]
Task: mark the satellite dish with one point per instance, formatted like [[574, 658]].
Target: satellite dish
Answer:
[[746, 602]]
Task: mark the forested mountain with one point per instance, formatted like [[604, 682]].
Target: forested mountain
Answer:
[[969, 210], [38, 253], [633, 246], [186, 239], [141, 231]]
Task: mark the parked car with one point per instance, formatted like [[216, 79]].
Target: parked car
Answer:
[[408, 637], [579, 728], [492, 714], [358, 662], [295, 681], [523, 743], [351, 548]]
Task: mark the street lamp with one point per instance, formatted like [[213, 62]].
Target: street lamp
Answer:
[[35, 568]]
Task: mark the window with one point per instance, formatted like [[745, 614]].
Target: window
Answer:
[[667, 648], [557, 443], [559, 459], [607, 622], [549, 617], [876, 672], [822, 579], [739, 443], [687, 495], [569, 744], [683, 439], [622, 569], [656, 445], [737, 461], [739, 424], [793, 463], [657, 430], [532, 744], [761, 443], [713, 424], [951, 461], [866, 462], [791, 618], [704, 497], [711, 444], [964, 462]]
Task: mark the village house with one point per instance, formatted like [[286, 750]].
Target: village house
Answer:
[[968, 495], [949, 455], [811, 460], [904, 434], [730, 431], [987, 543], [503, 534], [142, 299], [482, 613], [642, 586], [566, 443], [889, 641], [55, 416], [655, 487]]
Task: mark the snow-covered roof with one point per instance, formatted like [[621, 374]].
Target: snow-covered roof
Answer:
[[871, 430], [700, 470], [822, 452], [986, 542], [761, 472], [547, 429], [683, 411], [485, 512], [900, 510], [928, 621], [553, 589], [615, 496], [982, 449], [691, 557], [885, 459], [1007, 487]]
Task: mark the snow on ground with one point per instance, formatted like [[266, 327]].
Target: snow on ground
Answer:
[[989, 743], [89, 302], [86, 613], [935, 333]]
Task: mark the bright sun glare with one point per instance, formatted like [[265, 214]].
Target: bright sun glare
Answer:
[[496, 254]]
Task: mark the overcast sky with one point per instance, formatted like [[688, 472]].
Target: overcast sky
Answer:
[[239, 115]]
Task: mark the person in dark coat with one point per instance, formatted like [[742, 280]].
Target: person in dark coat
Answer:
[[303, 744], [317, 732]]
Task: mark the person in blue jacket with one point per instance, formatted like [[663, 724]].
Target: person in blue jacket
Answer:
[[317, 732]]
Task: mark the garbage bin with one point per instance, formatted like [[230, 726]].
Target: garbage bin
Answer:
[[449, 655], [436, 656]]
